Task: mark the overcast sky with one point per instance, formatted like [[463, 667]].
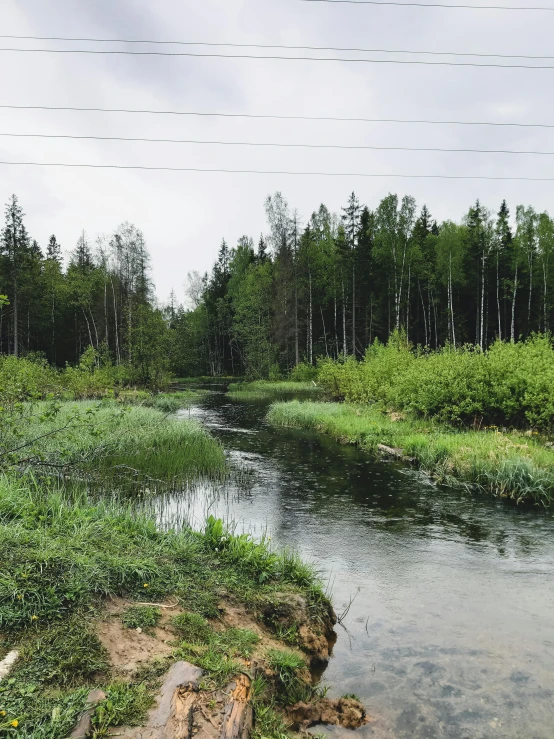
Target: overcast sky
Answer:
[[183, 215]]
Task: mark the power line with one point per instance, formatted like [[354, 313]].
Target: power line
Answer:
[[261, 116], [278, 172], [274, 57], [426, 5], [275, 144], [275, 46]]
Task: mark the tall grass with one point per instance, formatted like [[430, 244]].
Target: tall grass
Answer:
[[508, 465], [261, 389], [106, 438], [166, 402]]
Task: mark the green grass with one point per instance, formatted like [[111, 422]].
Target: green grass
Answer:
[[213, 650], [125, 443], [62, 555], [204, 380], [165, 402], [141, 617], [508, 465], [261, 389], [288, 667]]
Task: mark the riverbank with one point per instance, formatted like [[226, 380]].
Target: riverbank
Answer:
[[262, 389], [505, 464], [95, 596], [115, 442]]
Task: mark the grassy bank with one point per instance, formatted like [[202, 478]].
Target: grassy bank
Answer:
[[166, 402], [62, 558], [261, 389], [508, 465], [109, 440]]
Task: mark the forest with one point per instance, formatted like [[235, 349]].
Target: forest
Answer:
[[327, 287]]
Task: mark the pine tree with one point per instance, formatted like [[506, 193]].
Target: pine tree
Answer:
[[54, 250], [502, 253], [351, 218], [15, 251]]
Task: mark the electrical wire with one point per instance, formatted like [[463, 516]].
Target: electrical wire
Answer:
[[274, 46], [428, 5], [261, 116], [187, 54], [277, 172], [275, 144]]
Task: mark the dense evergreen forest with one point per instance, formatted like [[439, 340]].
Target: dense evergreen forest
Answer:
[[326, 287]]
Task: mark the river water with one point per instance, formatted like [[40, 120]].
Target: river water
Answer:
[[450, 631]]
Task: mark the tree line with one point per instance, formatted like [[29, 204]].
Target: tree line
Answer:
[[328, 286], [103, 299], [332, 285]]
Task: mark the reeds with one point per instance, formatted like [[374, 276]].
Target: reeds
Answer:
[[108, 439]]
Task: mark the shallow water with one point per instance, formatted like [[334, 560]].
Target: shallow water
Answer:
[[451, 630]]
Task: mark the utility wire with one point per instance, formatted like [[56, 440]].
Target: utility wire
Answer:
[[277, 172], [426, 5], [274, 144], [103, 52], [254, 116], [275, 46]]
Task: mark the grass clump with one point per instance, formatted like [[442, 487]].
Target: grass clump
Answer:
[[125, 705], [104, 439], [47, 689], [504, 464], [288, 667], [261, 389], [67, 655], [213, 650], [165, 402], [257, 560], [141, 617], [193, 628]]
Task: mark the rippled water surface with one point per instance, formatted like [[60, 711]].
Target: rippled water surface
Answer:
[[451, 630]]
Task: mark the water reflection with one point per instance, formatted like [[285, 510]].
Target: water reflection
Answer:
[[451, 631]]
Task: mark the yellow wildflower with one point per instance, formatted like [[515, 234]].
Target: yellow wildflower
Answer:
[[145, 584], [15, 723], [34, 618], [2, 713]]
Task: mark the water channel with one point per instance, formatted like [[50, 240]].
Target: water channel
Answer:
[[450, 633]]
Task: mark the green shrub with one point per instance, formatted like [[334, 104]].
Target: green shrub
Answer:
[[24, 379], [303, 372], [508, 385]]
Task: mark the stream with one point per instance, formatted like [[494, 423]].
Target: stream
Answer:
[[450, 627]]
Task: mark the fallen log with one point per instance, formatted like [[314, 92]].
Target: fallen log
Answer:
[[239, 717], [396, 453]]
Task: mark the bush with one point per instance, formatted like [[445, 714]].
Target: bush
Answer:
[[26, 379], [508, 385], [303, 372]]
